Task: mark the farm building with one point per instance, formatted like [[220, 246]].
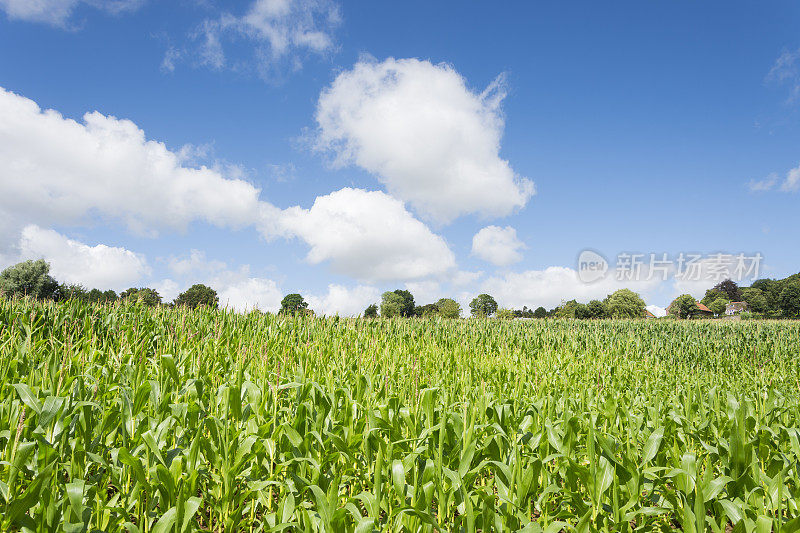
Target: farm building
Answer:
[[734, 308], [702, 310], [648, 314]]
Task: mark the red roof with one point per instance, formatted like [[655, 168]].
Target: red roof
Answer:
[[703, 308]]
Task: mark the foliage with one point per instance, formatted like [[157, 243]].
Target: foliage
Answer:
[[712, 295], [625, 303], [718, 306], [144, 295], [371, 311], [127, 418], [482, 306], [71, 291], [392, 305], [200, 294], [504, 314], [789, 300], [597, 309], [449, 308], [98, 296], [756, 300], [29, 278], [730, 289], [684, 306], [540, 312], [293, 304], [426, 311], [407, 306]]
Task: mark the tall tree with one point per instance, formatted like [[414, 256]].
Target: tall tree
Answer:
[[29, 278], [756, 301], [145, 295], [625, 303], [198, 295], [730, 289], [391, 305], [597, 309], [540, 312], [789, 300], [407, 309], [718, 306], [684, 306], [449, 308], [293, 304], [371, 311], [482, 306]]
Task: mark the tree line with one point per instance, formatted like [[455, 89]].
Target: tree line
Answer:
[[767, 298]]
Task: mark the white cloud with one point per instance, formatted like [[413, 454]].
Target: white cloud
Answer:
[[499, 246], [344, 301], [657, 311], [99, 266], [425, 292], [58, 12], [368, 235], [700, 273], [281, 30], [251, 293], [465, 277], [790, 184], [786, 70], [57, 170], [425, 134], [236, 288], [551, 286]]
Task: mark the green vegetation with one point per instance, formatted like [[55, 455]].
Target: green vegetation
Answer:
[[129, 418], [197, 295]]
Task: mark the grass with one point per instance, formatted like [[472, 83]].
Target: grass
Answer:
[[135, 419]]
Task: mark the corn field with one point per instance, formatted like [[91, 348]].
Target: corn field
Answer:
[[138, 420]]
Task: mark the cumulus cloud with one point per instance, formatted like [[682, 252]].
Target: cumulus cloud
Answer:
[[499, 246], [551, 286], [344, 301], [698, 273], [57, 170], [368, 235], [283, 31], [237, 288], [429, 138], [251, 293], [58, 12], [657, 311], [71, 261]]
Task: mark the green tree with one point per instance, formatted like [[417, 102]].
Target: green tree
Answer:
[[293, 304], [730, 289], [371, 311], [540, 312], [98, 296], [408, 308], [756, 300], [684, 306], [198, 295], [504, 314], [789, 300], [718, 306], [597, 309], [771, 289], [483, 306], [29, 278], [72, 291], [582, 311], [143, 294], [392, 305], [426, 311], [449, 308], [711, 296], [625, 303]]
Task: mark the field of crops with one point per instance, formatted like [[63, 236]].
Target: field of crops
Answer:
[[153, 420]]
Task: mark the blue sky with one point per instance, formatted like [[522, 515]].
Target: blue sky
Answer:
[[649, 127]]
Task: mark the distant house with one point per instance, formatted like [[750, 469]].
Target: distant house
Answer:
[[702, 311], [648, 314], [734, 308]]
